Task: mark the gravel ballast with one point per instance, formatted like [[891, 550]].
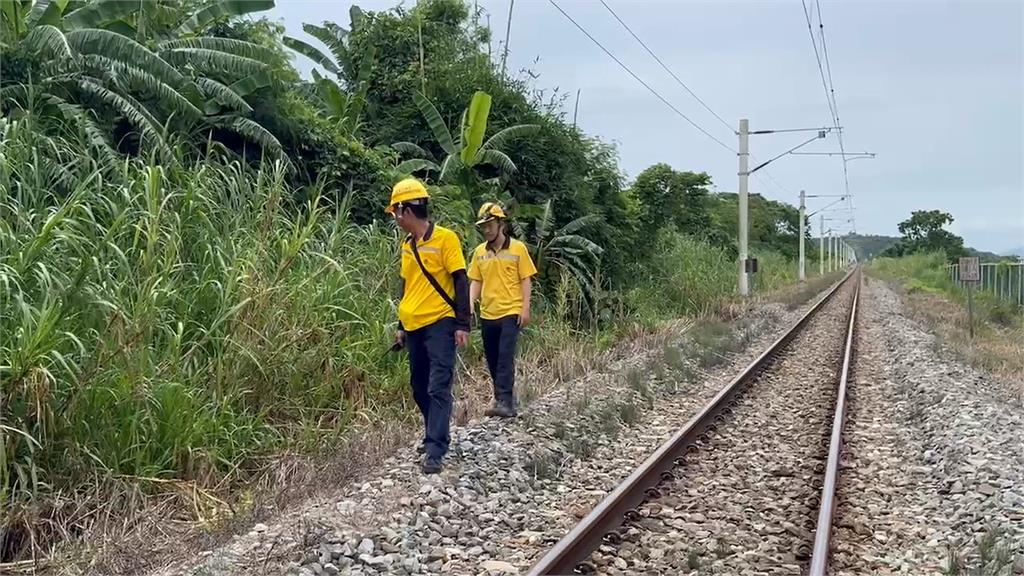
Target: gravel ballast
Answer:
[[934, 459], [745, 503], [510, 489], [934, 455]]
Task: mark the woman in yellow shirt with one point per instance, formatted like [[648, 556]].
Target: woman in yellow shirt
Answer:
[[500, 276]]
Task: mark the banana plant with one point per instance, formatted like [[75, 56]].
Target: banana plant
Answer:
[[565, 250], [110, 53], [342, 107], [469, 150]]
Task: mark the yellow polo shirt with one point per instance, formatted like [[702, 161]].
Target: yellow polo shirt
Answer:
[[500, 274], [441, 253]]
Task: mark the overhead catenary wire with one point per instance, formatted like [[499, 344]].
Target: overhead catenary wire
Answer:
[[828, 66], [827, 85], [821, 68], [776, 183], [640, 80], [832, 89], [666, 68]]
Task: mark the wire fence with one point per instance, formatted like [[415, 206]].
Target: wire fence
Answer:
[[1004, 280]]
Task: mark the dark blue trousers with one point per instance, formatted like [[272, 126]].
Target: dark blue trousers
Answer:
[[500, 337], [431, 366]]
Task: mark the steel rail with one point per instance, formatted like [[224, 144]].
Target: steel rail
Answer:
[[823, 530], [569, 554]]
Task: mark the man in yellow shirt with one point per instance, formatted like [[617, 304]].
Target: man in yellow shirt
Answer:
[[434, 314], [500, 272]]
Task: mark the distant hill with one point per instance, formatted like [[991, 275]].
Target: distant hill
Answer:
[[987, 256], [870, 246]]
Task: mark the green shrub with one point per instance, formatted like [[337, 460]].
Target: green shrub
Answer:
[[178, 323]]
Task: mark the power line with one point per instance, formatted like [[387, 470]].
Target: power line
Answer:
[[640, 80], [757, 175], [828, 86], [835, 104], [691, 93], [666, 68], [828, 66], [660, 97], [817, 57]]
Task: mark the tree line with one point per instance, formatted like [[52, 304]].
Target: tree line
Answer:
[[394, 93]]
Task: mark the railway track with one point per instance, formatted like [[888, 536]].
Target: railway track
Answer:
[[748, 484]]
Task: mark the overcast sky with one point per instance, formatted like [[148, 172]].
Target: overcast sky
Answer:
[[936, 89]]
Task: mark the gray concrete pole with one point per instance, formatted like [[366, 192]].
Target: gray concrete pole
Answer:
[[821, 245], [801, 274], [744, 154], [830, 243]]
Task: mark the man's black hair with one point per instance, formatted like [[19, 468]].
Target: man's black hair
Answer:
[[419, 209]]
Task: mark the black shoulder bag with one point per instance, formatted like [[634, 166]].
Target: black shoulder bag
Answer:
[[430, 278]]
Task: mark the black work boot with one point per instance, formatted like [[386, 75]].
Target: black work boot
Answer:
[[501, 410], [431, 465]]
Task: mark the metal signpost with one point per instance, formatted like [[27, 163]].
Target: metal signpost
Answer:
[[751, 269], [969, 274]]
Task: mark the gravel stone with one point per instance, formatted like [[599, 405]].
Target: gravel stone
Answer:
[[932, 443], [514, 487], [731, 490], [365, 546]]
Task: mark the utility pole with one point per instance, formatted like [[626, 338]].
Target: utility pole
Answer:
[[744, 154], [802, 276], [831, 242], [821, 245], [821, 229], [508, 32], [744, 175], [576, 108]]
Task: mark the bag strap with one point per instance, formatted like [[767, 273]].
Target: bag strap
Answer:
[[430, 277]]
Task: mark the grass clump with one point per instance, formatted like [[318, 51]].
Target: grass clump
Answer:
[[580, 446], [629, 413], [673, 357], [710, 333], [640, 387], [706, 281], [580, 403], [606, 418], [527, 394], [794, 297], [543, 464], [182, 324], [993, 556], [693, 560]]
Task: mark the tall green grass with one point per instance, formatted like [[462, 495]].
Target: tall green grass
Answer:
[[689, 276], [926, 272], [177, 322]]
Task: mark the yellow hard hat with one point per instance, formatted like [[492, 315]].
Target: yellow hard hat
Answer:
[[406, 190], [489, 211]]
